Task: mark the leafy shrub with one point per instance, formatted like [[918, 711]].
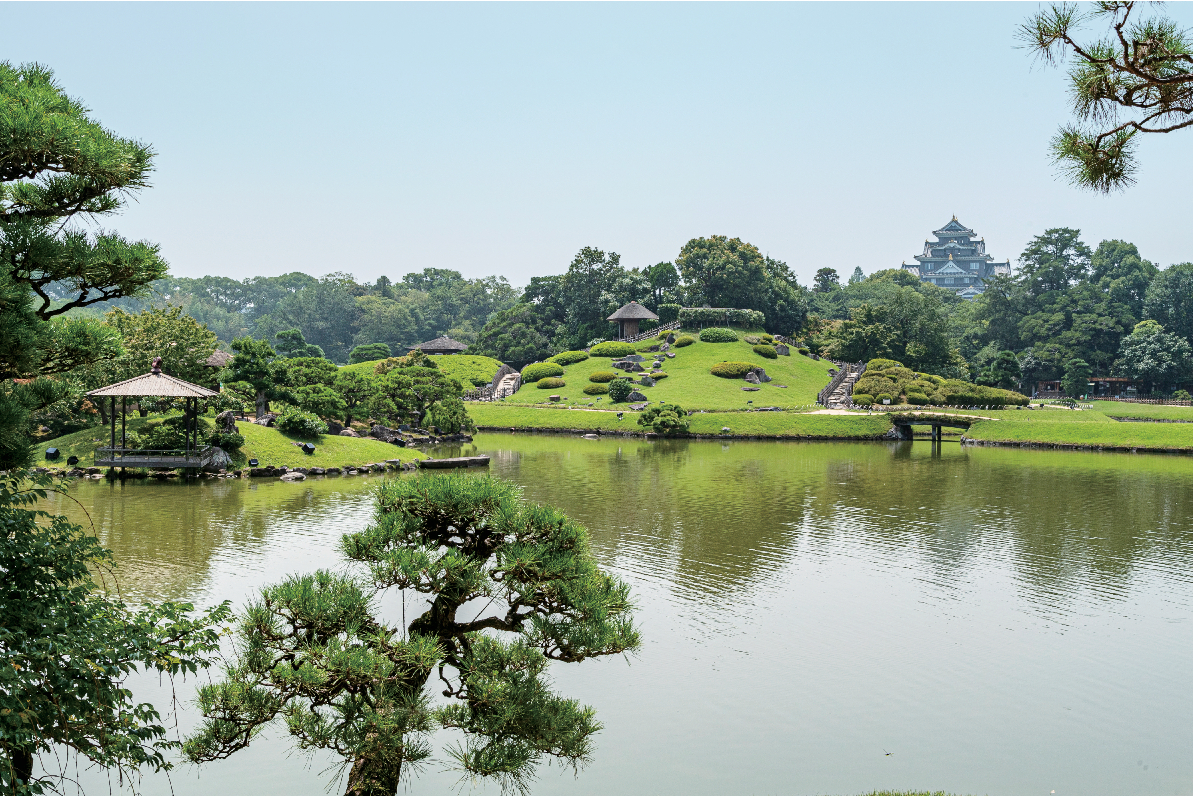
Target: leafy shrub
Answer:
[[707, 316], [168, 434], [657, 374], [767, 351], [541, 370], [884, 396], [228, 441], [716, 334], [603, 376], [882, 364], [732, 370], [669, 312], [619, 390], [861, 399], [451, 417], [611, 349], [549, 383], [683, 340], [769, 339], [596, 389], [669, 419], [1182, 395], [415, 359], [916, 398], [368, 353], [298, 423], [753, 339], [569, 357], [804, 351]]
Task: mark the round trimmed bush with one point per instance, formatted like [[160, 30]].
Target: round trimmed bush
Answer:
[[753, 339], [569, 357], [732, 370], [541, 370], [861, 399], [884, 396], [228, 442], [767, 351], [549, 383], [717, 334], [602, 376], [658, 374], [298, 423], [917, 399], [683, 340], [611, 349], [619, 390], [769, 339], [806, 352], [596, 389]]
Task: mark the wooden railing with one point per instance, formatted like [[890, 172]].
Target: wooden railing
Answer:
[[843, 371], [107, 456], [666, 327]]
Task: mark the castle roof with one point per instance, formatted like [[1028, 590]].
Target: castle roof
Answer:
[[632, 311], [954, 227]]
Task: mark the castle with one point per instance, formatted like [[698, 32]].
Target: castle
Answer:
[[957, 262]]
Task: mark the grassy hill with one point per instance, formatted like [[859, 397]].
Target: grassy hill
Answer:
[[796, 380], [267, 445], [469, 369]]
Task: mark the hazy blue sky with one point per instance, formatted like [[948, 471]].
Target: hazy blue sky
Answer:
[[491, 138]]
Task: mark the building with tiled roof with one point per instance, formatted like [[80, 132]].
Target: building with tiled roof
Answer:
[[955, 261]]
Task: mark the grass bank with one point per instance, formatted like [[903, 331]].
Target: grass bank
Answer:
[[469, 369], [1144, 411], [266, 445]]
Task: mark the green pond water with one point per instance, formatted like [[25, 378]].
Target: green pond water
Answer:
[[999, 621]]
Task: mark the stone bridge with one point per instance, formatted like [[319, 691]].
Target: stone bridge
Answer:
[[903, 421]]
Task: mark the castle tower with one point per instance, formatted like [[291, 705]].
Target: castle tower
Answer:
[[957, 262]]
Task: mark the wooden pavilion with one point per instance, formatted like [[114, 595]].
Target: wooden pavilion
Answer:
[[628, 317], [155, 384]]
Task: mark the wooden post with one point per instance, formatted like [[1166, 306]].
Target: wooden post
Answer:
[[113, 421], [123, 422]]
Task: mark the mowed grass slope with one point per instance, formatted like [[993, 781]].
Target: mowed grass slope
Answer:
[[1144, 411], [266, 445], [470, 370], [690, 384]]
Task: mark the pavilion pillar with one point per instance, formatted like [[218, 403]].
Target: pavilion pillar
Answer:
[[124, 422], [113, 421]]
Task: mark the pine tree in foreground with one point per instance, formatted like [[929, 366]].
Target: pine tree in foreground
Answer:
[[511, 586]]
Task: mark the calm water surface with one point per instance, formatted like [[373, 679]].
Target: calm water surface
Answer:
[[1000, 622]]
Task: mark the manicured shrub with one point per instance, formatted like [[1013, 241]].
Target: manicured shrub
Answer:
[[227, 441], [804, 351], [916, 399], [596, 389], [541, 370], [861, 399], [769, 339], [882, 364], [707, 316], [619, 390], [657, 374], [884, 396], [732, 370], [569, 357], [716, 334], [1182, 395], [549, 383], [683, 340], [669, 312], [753, 339], [297, 423], [669, 419], [767, 351], [603, 376], [611, 349]]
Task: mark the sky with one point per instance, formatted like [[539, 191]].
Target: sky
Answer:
[[495, 138]]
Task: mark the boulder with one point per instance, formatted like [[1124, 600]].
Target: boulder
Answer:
[[334, 471], [782, 350], [665, 347], [656, 365], [751, 389], [760, 374], [670, 355], [622, 364], [226, 422], [633, 358], [294, 476], [554, 398], [637, 407], [348, 433], [646, 381], [635, 396], [220, 460], [316, 471], [385, 434], [752, 377], [670, 337], [267, 419], [654, 348], [334, 428]]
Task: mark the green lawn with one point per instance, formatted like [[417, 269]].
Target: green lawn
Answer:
[[1167, 436], [267, 445], [1146, 411], [467, 368], [690, 384]]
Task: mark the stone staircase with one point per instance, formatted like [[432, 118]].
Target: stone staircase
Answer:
[[508, 385], [838, 394]]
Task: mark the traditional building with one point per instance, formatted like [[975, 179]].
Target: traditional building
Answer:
[[440, 345], [957, 262], [628, 317]]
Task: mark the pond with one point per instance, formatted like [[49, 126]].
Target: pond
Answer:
[[818, 618]]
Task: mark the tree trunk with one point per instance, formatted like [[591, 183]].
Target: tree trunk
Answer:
[[22, 765], [367, 779], [262, 404], [103, 412]]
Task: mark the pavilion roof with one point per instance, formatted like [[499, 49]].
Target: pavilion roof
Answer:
[[631, 311], [218, 359], [440, 344], [156, 385]]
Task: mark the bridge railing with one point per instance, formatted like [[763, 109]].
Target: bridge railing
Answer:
[[666, 327]]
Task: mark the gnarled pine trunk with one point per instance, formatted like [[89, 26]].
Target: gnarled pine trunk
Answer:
[[367, 779]]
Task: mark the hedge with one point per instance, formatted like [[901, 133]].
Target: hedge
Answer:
[[884, 396], [549, 383], [602, 376], [720, 316], [683, 340], [766, 351], [596, 389], [657, 374], [916, 398], [611, 349], [569, 357], [300, 424], [716, 334], [732, 370], [669, 313], [861, 399], [541, 370], [769, 339]]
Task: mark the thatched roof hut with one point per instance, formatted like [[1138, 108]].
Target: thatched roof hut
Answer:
[[628, 317]]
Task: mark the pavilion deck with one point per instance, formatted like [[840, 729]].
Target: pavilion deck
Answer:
[[198, 458]]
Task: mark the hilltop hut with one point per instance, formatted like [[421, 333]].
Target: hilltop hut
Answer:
[[628, 317], [155, 384], [441, 345]]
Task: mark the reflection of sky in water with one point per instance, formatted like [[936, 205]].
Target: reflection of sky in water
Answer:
[[1003, 622]]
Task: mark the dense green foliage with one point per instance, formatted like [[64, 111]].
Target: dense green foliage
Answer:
[[699, 317], [602, 376], [570, 357], [297, 423], [541, 370], [885, 378], [619, 390], [596, 389], [767, 351], [550, 383], [684, 340], [67, 649], [666, 419], [611, 350], [368, 353], [313, 651], [714, 334], [732, 370]]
